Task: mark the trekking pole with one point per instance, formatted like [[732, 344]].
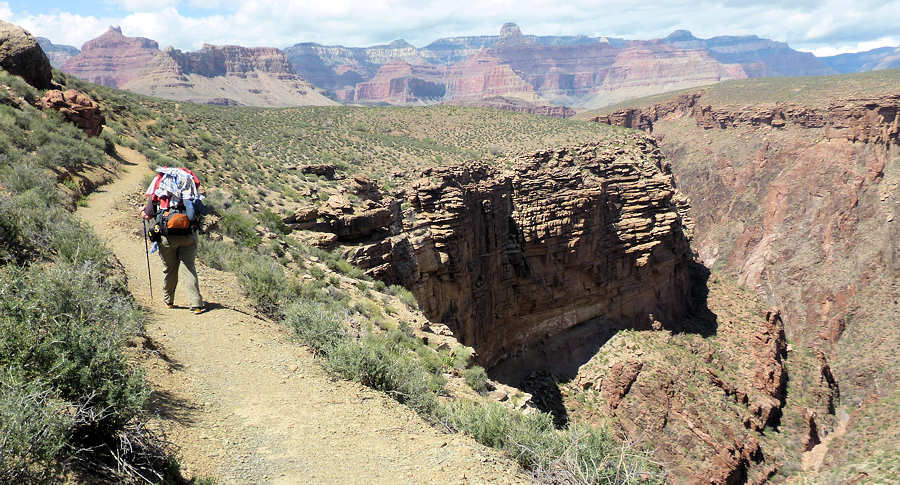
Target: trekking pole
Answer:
[[147, 252]]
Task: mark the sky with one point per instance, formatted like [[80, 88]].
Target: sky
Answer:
[[824, 27]]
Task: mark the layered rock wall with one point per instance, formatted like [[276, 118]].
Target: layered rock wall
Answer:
[[509, 257]]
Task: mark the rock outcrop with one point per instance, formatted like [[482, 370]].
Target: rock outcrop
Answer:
[[509, 257], [21, 55], [76, 107]]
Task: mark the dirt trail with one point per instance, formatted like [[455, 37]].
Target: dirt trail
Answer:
[[245, 404]]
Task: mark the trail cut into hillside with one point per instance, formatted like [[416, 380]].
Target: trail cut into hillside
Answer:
[[246, 404]]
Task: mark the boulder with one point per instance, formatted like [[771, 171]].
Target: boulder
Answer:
[[21, 55], [76, 107], [322, 169]]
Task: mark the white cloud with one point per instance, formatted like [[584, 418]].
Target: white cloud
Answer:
[[857, 47], [811, 25], [144, 5]]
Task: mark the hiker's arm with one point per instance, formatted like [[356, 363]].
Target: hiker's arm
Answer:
[[149, 210]]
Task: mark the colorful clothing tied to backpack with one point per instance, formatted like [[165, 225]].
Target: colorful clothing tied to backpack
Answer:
[[175, 190]]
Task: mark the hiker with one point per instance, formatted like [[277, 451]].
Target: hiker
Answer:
[[174, 203]]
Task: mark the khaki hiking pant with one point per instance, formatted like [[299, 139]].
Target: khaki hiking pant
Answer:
[[174, 250]]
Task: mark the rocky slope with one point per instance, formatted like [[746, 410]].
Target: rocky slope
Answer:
[[797, 199], [228, 75], [58, 53]]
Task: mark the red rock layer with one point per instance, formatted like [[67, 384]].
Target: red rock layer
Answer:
[[400, 82], [483, 75]]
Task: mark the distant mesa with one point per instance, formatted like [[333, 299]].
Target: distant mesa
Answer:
[[681, 34], [221, 75]]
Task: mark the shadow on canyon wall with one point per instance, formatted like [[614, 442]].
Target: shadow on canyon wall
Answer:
[[540, 368]]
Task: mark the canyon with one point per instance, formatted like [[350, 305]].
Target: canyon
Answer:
[[571, 274], [718, 287], [795, 195]]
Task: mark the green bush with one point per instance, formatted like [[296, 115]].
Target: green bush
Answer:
[[35, 428], [382, 362], [265, 283], [59, 326], [316, 324], [476, 378], [578, 454], [240, 227], [272, 222]]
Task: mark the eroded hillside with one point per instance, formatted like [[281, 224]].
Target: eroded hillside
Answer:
[[794, 185]]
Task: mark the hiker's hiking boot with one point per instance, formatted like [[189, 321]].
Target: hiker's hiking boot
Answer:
[[198, 310], [170, 306]]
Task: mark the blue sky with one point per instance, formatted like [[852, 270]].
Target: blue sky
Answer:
[[821, 26]]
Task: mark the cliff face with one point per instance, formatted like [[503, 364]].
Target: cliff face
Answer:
[[232, 60], [112, 59], [398, 82], [507, 258], [799, 202]]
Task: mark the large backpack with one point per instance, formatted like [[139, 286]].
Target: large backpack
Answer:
[[174, 222], [180, 219]]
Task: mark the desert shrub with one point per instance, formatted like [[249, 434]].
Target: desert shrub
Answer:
[[316, 324], [476, 378], [404, 295], [342, 266], [382, 362], [265, 283], [240, 227], [58, 325], [272, 221], [579, 454], [34, 428]]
